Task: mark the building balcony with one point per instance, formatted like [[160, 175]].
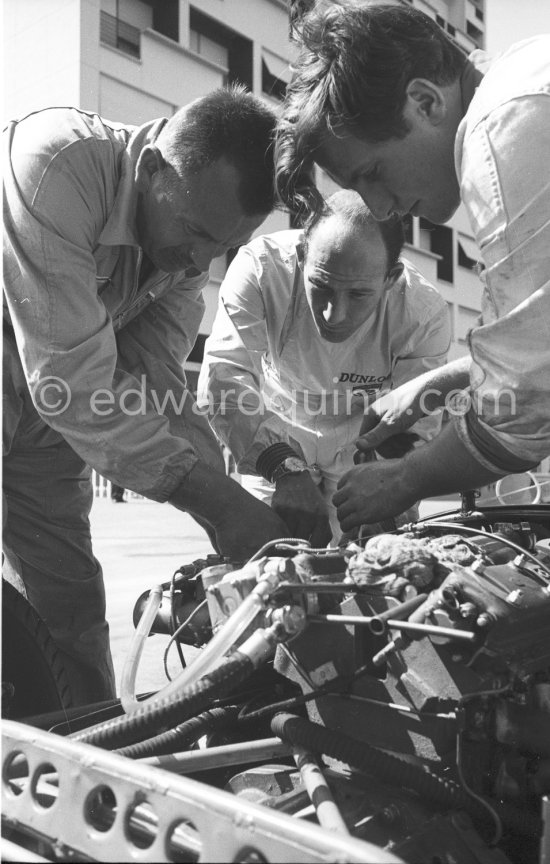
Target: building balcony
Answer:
[[165, 70]]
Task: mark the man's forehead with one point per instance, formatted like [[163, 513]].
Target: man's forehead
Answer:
[[335, 235], [333, 277], [341, 155]]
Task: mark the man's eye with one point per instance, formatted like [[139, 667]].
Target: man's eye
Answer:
[[188, 229]]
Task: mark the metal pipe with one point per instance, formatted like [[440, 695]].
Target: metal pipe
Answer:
[[357, 620], [379, 622], [328, 814], [320, 587], [218, 757]]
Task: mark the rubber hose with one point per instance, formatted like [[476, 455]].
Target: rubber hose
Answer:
[[182, 736], [445, 793], [130, 728]]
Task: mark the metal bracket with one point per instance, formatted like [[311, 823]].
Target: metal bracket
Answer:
[[85, 801]]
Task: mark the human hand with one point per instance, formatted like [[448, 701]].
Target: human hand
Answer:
[[246, 527], [372, 492], [390, 416], [299, 503], [237, 524]]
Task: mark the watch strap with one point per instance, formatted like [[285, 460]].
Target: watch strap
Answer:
[[271, 457]]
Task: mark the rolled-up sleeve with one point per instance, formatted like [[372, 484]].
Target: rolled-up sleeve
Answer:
[[230, 381], [504, 163], [65, 335]]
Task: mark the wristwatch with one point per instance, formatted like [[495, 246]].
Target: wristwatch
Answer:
[[290, 465]]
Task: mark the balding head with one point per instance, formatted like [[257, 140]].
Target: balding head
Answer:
[[350, 261], [348, 214]]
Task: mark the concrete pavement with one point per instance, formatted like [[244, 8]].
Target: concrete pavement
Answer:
[[139, 544]]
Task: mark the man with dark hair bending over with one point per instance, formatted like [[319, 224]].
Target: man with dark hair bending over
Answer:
[[108, 234], [312, 326], [389, 106]]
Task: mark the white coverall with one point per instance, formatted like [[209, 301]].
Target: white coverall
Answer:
[[269, 377]]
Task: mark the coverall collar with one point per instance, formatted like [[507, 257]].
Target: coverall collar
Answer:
[[120, 228]]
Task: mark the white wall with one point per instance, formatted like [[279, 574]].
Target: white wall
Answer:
[[509, 21], [41, 55], [118, 101]]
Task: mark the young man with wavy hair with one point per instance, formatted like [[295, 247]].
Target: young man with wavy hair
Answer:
[[390, 107]]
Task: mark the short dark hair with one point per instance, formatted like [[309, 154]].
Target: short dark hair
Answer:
[[352, 76], [228, 123], [350, 207]]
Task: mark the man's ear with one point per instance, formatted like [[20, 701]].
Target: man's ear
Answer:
[[394, 274], [426, 99], [150, 161]]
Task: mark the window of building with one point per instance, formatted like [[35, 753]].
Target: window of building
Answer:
[[451, 30], [275, 75], [235, 49], [408, 228], [474, 32], [466, 320], [119, 34], [123, 21], [209, 49], [468, 253], [166, 18], [441, 243]]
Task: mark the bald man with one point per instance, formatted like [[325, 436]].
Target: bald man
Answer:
[[311, 327]]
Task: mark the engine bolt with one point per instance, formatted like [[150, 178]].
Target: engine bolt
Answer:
[[293, 619]]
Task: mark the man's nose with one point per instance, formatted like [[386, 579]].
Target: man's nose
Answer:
[[380, 203], [203, 251], [335, 311]]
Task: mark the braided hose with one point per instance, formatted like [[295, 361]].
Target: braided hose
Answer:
[[122, 731], [358, 754], [182, 736]]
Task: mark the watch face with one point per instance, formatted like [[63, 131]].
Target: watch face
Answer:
[[293, 465], [290, 465]]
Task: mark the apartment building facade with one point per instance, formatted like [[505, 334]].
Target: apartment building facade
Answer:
[[132, 60]]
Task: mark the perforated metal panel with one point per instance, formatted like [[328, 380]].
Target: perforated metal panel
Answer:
[[106, 807]]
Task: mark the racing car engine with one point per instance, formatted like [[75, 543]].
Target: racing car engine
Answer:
[[431, 645], [392, 696]]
